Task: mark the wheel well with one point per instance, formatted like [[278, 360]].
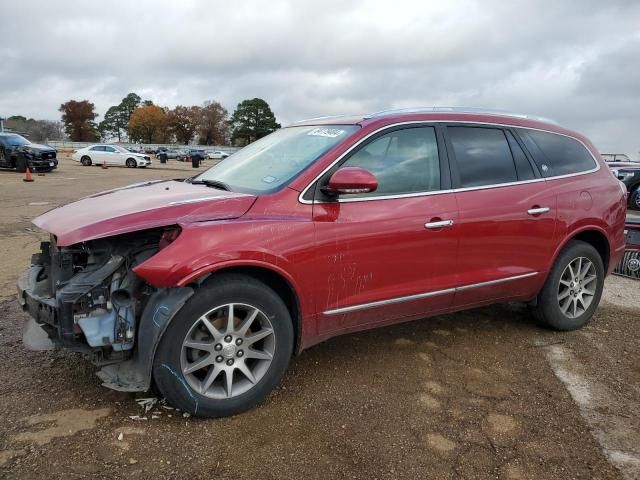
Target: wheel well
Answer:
[[599, 242], [281, 286]]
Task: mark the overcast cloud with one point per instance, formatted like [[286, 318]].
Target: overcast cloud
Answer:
[[577, 62]]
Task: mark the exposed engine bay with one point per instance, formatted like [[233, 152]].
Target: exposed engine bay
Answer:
[[87, 298]]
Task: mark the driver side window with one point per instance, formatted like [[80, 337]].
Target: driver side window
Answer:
[[404, 161]]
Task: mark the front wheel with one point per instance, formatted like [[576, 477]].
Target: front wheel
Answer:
[[573, 288], [131, 163], [226, 349], [634, 199], [86, 161]]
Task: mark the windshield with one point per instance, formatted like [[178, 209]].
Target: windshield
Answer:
[[273, 161], [121, 149], [16, 140]]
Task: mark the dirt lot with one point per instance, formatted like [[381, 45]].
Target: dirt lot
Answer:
[[480, 394]]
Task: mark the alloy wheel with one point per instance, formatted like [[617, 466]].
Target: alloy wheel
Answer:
[[577, 287], [227, 350]]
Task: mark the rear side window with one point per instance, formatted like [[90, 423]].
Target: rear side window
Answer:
[[97, 149], [556, 154], [483, 156], [403, 161]]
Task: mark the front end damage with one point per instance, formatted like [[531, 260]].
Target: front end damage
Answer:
[[87, 298]]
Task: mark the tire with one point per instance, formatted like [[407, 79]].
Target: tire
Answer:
[[634, 199], [188, 390], [557, 307], [86, 161], [131, 163], [21, 163]]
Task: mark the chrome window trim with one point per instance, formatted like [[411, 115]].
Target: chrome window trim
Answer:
[[437, 192], [391, 301]]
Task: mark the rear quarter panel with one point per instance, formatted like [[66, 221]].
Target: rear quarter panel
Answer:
[[593, 201]]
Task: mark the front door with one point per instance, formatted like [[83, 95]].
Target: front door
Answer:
[[507, 219], [389, 255]]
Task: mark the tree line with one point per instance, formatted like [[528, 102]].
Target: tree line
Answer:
[[36, 130], [141, 121]]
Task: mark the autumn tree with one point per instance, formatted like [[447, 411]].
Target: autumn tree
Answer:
[[213, 126], [253, 119], [183, 122], [79, 120], [148, 124]]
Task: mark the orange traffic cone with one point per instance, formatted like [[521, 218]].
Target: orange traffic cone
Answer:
[[27, 176], [104, 165]]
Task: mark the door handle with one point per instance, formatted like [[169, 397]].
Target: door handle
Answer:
[[438, 224], [537, 210]]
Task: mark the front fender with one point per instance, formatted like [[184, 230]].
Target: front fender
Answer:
[[134, 375]]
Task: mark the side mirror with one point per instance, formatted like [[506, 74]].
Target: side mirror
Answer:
[[349, 180]]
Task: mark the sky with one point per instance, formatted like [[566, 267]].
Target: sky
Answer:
[[575, 61]]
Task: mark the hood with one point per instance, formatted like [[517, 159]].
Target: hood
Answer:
[[36, 147], [141, 206]]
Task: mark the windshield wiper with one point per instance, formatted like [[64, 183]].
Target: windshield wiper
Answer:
[[212, 183]]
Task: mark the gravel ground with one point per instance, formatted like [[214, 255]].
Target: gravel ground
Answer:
[[478, 394]]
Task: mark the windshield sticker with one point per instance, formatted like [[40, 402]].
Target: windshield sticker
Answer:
[[269, 179], [326, 132]]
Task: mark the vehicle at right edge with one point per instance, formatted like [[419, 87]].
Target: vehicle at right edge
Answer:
[[205, 287]]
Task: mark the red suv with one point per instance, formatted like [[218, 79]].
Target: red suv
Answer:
[[205, 287]]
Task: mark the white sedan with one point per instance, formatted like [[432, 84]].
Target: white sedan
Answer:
[[111, 155], [217, 155]]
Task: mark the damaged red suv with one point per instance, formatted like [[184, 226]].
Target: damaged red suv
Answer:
[[205, 287]]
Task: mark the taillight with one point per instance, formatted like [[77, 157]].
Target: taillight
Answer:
[[168, 237]]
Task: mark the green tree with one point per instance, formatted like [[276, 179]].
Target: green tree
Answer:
[[129, 104], [78, 118], [183, 123], [114, 123], [253, 119], [213, 125]]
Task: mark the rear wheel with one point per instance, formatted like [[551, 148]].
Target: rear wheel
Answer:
[[86, 161], [131, 163], [226, 349], [573, 288]]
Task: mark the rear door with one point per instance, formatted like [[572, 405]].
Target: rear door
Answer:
[[383, 256], [507, 219]]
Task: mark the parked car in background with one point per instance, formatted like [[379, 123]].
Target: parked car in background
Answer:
[[619, 160], [19, 153], [629, 265], [217, 155], [205, 287], [630, 176], [170, 153], [150, 150], [200, 153], [110, 155]]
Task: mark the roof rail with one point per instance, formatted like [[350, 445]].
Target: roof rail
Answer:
[[324, 117], [384, 113]]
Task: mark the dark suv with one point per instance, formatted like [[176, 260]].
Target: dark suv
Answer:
[[630, 176], [19, 153], [205, 287]]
